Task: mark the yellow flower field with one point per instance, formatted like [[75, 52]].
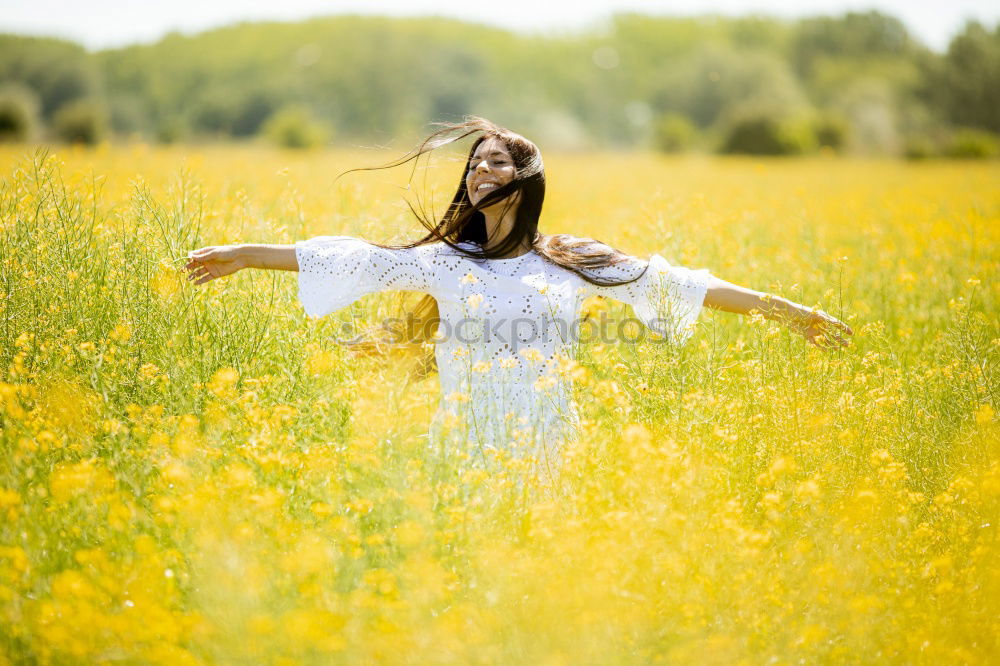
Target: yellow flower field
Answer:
[[201, 476]]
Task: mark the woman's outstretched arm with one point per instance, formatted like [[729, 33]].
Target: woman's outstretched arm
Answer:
[[819, 328], [215, 261]]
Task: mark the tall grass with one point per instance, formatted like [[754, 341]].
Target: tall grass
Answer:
[[201, 476]]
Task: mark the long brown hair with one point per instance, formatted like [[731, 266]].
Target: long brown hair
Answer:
[[464, 221]]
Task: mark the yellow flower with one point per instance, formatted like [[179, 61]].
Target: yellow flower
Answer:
[[880, 457], [321, 509], [457, 397], [24, 340], [474, 301], [223, 382], [9, 498], [636, 435], [361, 505], [149, 370], [808, 489], [320, 629], [10, 502], [409, 533], [531, 354], [482, 367], [545, 382], [71, 479], [121, 333], [469, 278], [322, 362], [780, 466], [508, 362], [165, 283]]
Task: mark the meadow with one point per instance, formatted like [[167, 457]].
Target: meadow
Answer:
[[199, 475]]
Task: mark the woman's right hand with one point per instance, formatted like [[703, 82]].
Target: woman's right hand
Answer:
[[212, 262]]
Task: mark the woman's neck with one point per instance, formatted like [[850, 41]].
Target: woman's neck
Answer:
[[498, 228]]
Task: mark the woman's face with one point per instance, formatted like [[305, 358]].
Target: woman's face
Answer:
[[490, 167]]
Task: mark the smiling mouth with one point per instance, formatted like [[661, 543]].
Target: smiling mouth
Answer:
[[486, 186]]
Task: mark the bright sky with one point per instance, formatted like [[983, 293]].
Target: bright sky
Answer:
[[103, 23]]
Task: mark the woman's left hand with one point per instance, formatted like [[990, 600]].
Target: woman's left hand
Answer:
[[822, 330]]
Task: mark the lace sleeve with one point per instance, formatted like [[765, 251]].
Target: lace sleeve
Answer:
[[667, 299], [335, 271]]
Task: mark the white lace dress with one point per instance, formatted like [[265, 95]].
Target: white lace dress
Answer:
[[504, 326]]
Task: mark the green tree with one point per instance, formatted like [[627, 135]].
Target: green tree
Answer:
[[973, 144], [831, 131], [18, 113], [81, 121], [296, 127], [853, 36], [674, 133], [969, 79], [382, 79], [762, 134], [715, 83], [56, 71]]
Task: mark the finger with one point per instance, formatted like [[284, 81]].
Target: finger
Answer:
[[841, 326], [838, 330], [838, 341], [201, 259], [823, 341], [201, 253], [830, 319]]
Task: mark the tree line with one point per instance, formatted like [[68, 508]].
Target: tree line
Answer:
[[859, 82]]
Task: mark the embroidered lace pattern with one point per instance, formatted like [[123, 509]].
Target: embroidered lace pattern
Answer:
[[505, 324]]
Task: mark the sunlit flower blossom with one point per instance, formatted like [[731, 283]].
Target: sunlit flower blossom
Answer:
[[531, 354], [544, 383]]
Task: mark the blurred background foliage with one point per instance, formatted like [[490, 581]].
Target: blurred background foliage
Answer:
[[857, 83]]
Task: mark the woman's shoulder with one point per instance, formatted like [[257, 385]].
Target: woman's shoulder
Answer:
[[569, 240], [585, 245], [597, 258]]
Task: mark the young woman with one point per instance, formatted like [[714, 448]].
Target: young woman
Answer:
[[502, 299]]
